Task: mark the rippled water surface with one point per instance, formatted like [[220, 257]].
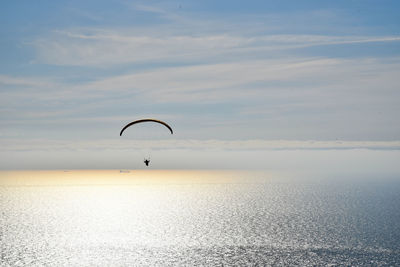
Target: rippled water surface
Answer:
[[191, 218]]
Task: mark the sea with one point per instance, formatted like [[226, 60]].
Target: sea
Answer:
[[198, 218]]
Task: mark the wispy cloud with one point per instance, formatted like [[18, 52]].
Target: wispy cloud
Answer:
[[289, 96], [101, 48], [184, 37], [304, 78], [8, 80]]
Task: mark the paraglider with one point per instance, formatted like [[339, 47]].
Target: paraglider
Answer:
[[146, 160], [145, 120]]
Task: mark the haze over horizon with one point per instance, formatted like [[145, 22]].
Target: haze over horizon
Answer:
[[234, 80]]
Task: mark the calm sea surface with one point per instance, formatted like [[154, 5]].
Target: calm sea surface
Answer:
[[193, 218]]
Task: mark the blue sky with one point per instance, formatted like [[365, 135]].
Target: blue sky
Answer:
[[225, 74]]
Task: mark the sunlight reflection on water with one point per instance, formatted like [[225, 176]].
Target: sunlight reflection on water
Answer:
[[196, 218]]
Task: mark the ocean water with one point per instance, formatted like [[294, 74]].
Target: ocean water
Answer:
[[197, 218]]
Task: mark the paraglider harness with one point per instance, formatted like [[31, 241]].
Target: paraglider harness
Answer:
[[146, 161]]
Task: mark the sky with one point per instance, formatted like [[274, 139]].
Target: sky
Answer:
[[228, 76]]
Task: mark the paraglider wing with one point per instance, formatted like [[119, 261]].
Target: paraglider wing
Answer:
[[146, 120]]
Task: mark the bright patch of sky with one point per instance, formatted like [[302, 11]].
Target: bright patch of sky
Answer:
[[72, 73]]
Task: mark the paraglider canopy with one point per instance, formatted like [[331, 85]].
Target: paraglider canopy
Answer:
[[145, 120]]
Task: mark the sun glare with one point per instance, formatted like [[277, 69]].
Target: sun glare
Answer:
[[118, 177]]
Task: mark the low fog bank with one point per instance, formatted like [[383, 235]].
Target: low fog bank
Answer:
[[348, 161]]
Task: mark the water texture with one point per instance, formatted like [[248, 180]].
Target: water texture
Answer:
[[251, 220]]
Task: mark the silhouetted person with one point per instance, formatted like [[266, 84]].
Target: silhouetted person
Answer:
[[147, 161]]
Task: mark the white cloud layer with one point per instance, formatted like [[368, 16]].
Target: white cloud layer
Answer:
[[173, 144]]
